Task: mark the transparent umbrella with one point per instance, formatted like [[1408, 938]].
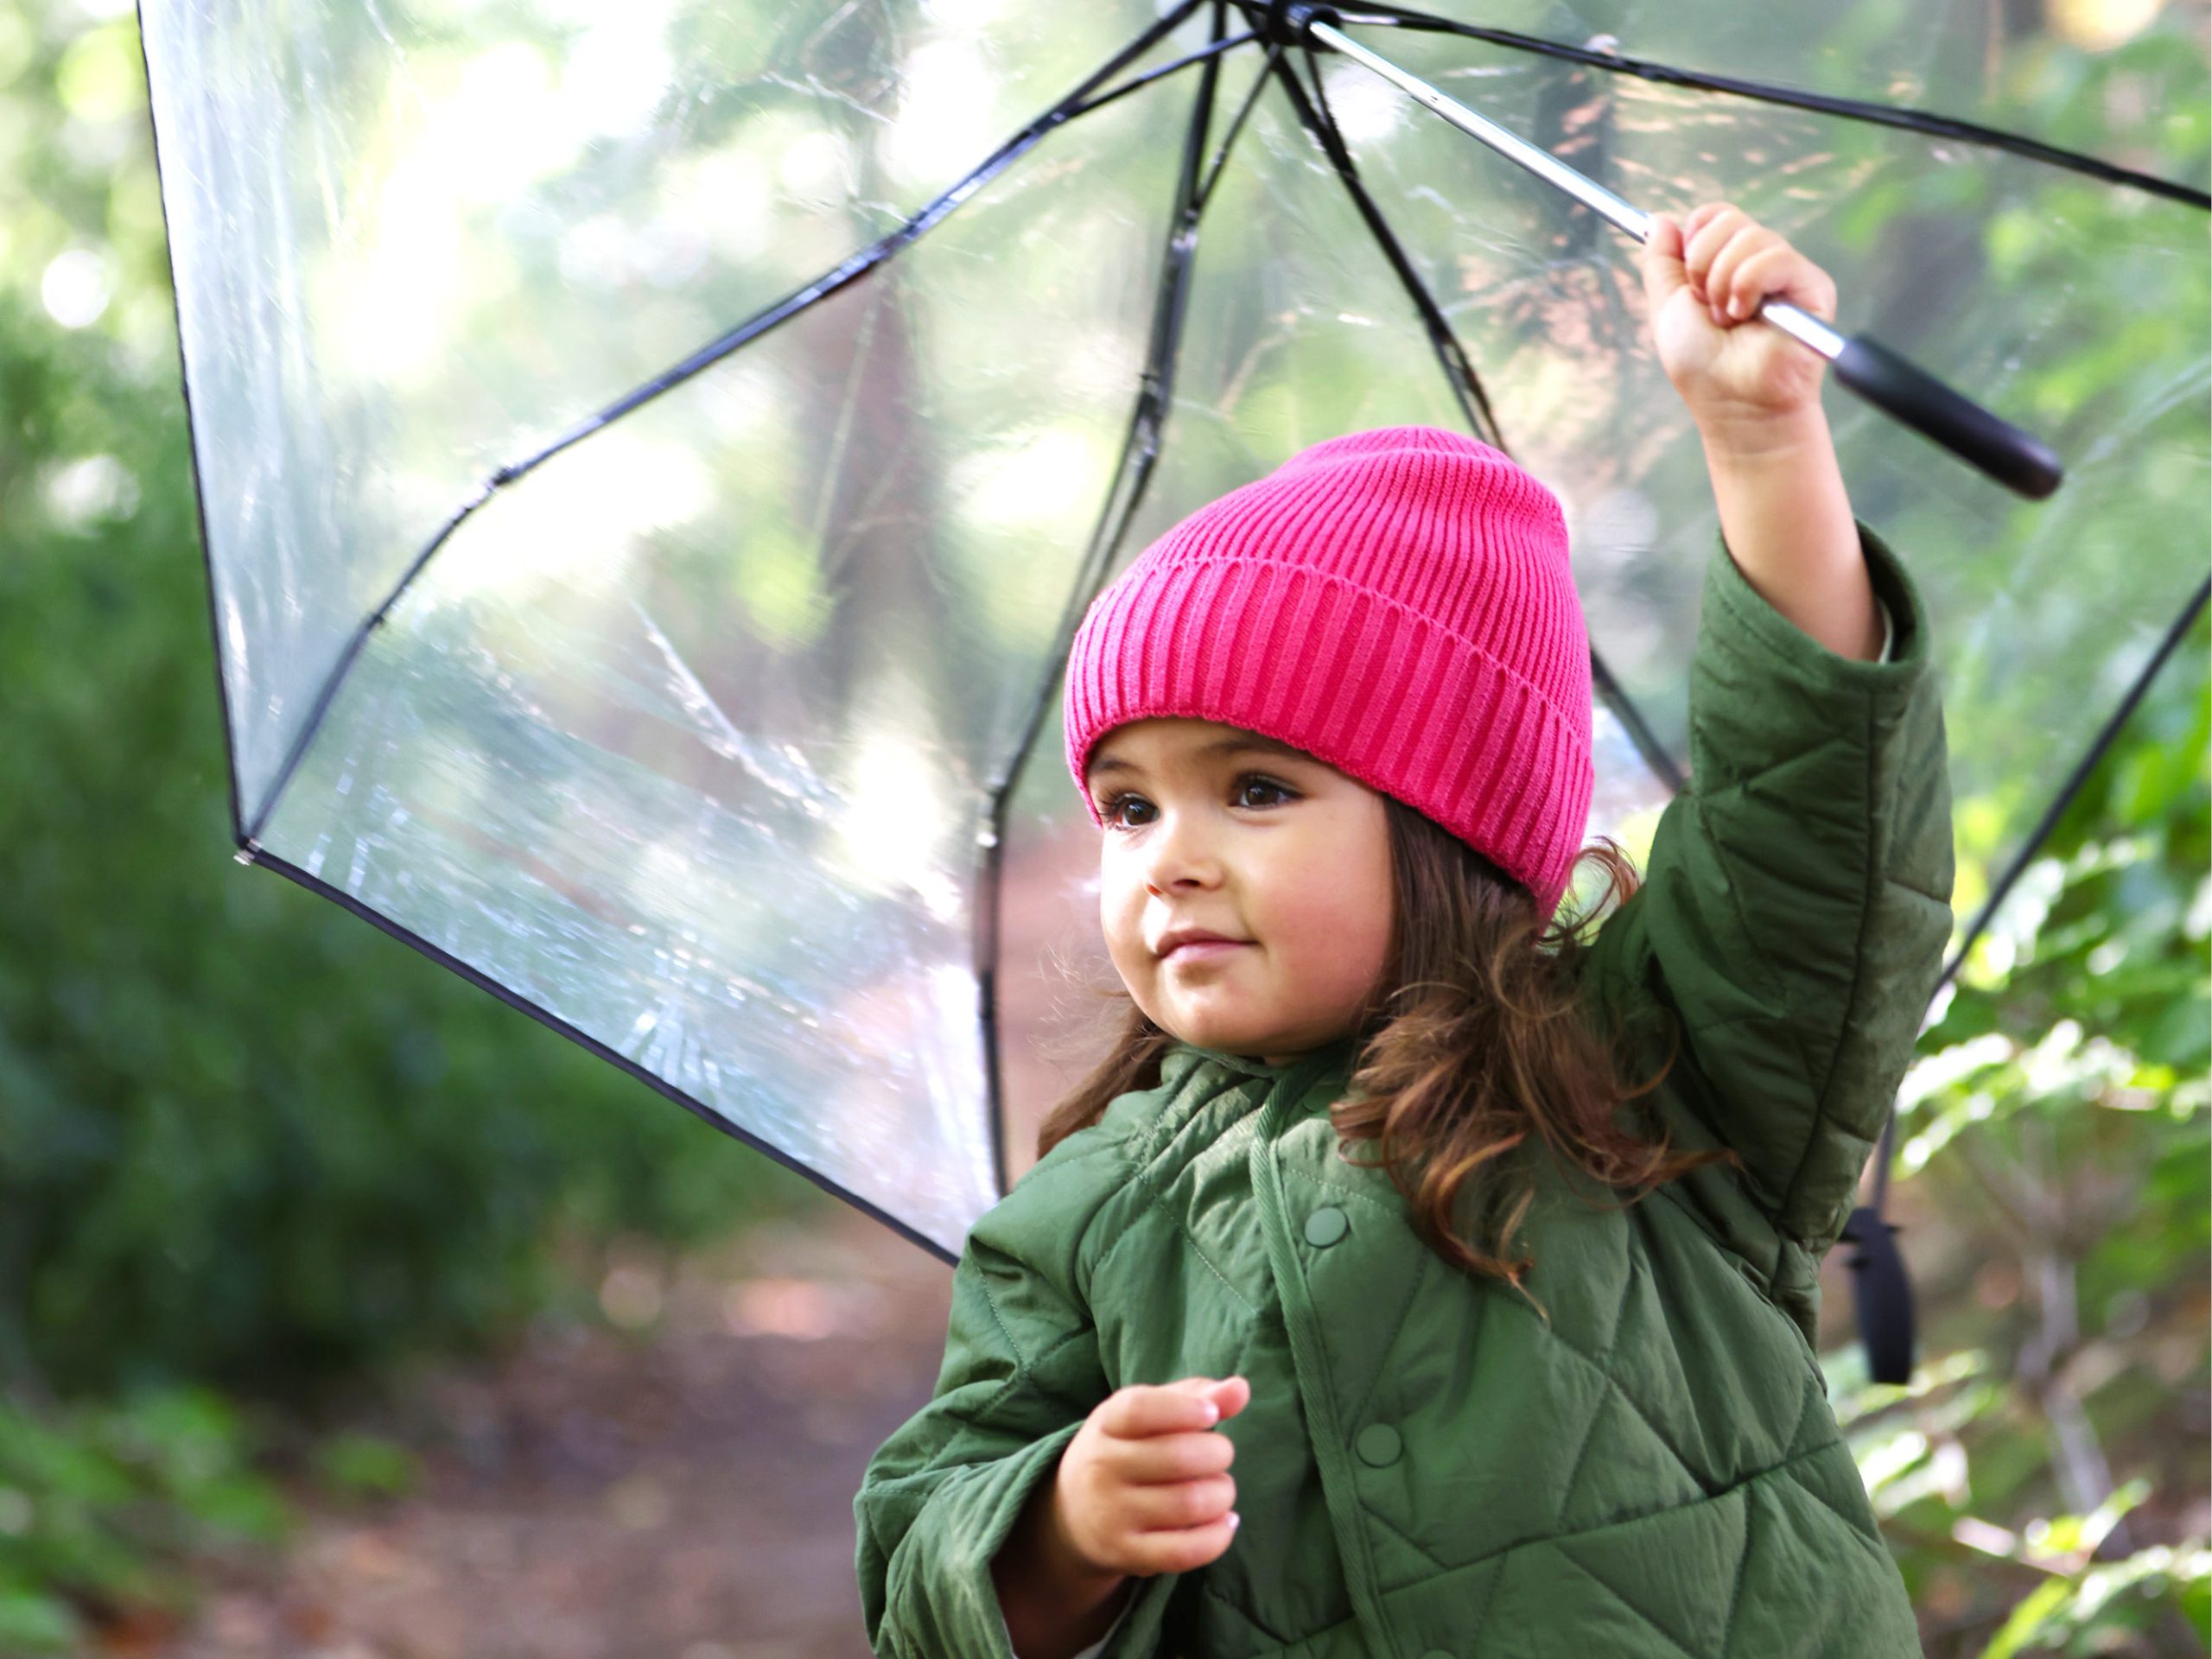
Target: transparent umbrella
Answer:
[[652, 459]]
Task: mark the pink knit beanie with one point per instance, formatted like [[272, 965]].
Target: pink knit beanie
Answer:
[[1394, 602]]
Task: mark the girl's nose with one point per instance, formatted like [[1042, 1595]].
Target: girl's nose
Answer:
[[1182, 853]]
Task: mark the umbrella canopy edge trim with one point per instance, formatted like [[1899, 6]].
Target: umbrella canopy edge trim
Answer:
[[852, 269], [192, 449], [553, 1021], [1926, 122]]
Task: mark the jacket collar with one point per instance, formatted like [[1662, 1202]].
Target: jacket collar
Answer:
[[1295, 1076]]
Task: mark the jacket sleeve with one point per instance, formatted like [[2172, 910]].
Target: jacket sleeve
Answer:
[[1022, 1371], [1796, 901]]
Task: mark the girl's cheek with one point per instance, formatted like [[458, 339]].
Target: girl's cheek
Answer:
[[1121, 910], [1342, 950], [1350, 912]]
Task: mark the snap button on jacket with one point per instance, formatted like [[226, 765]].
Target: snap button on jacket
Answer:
[[1325, 1226], [1429, 1466]]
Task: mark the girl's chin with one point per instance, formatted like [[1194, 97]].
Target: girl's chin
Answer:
[[1233, 1037]]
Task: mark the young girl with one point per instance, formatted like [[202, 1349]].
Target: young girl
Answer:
[[1534, 1374]]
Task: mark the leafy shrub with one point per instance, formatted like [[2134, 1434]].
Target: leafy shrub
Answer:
[[96, 1501]]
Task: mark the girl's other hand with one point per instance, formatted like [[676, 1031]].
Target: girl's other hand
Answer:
[[1143, 1487], [1705, 279]]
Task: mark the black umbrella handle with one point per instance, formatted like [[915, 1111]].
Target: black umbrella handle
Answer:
[[2019, 460], [2013, 458], [1883, 1295]]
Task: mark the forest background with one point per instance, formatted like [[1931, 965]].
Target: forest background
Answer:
[[256, 1158]]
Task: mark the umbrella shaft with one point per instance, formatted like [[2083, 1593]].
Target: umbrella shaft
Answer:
[[1514, 147], [1798, 324]]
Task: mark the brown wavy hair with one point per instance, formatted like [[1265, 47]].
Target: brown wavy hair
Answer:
[[1475, 1046]]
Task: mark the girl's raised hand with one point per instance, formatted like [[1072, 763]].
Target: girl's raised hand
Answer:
[[1705, 279], [1143, 1488]]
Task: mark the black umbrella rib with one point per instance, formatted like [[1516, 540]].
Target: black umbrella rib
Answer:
[[1237, 126], [1314, 113], [2099, 745], [1466, 384], [2107, 735], [1165, 70], [1132, 475], [1647, 742], [843, 276], [1926, 122]]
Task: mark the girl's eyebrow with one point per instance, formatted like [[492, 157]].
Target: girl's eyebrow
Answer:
[[1236, 743]]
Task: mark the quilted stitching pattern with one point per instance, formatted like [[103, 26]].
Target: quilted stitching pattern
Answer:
[[1573, 1486], [1673, 1643], [1740, 1583]]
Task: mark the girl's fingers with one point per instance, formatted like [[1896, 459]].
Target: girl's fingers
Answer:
[[1145, 1410], [1162, 1458], [1747, 242], [1661, 262], [1739, 270], [1710, 236], [1663, 251], [1728, 264], [1231, 1396], [1776, 271], [1185, 1504], [1156, 1474], [1699, 216], [1731, 263], [1184, 1550], [1782, 271]]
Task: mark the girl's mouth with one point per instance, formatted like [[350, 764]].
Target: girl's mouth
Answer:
[[1203, 951]]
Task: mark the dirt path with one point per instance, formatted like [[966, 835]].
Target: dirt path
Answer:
[[684, 1493]]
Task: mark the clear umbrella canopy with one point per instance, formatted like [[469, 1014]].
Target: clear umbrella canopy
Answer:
[[652, 459]]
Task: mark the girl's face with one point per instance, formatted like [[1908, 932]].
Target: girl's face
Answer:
[[1213, 827]]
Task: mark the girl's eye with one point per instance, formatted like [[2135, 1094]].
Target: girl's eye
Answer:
[[1266, 785], [1109, 810], [1135, 813]]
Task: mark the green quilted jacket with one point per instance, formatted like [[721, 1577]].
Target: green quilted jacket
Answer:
[[1428, 1468]]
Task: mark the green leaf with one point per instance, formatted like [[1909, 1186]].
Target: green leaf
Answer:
[[355, 1466], [2028, 1620], [32, 1621]]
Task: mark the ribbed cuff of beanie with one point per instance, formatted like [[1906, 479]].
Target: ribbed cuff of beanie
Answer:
[[1474, 746]]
